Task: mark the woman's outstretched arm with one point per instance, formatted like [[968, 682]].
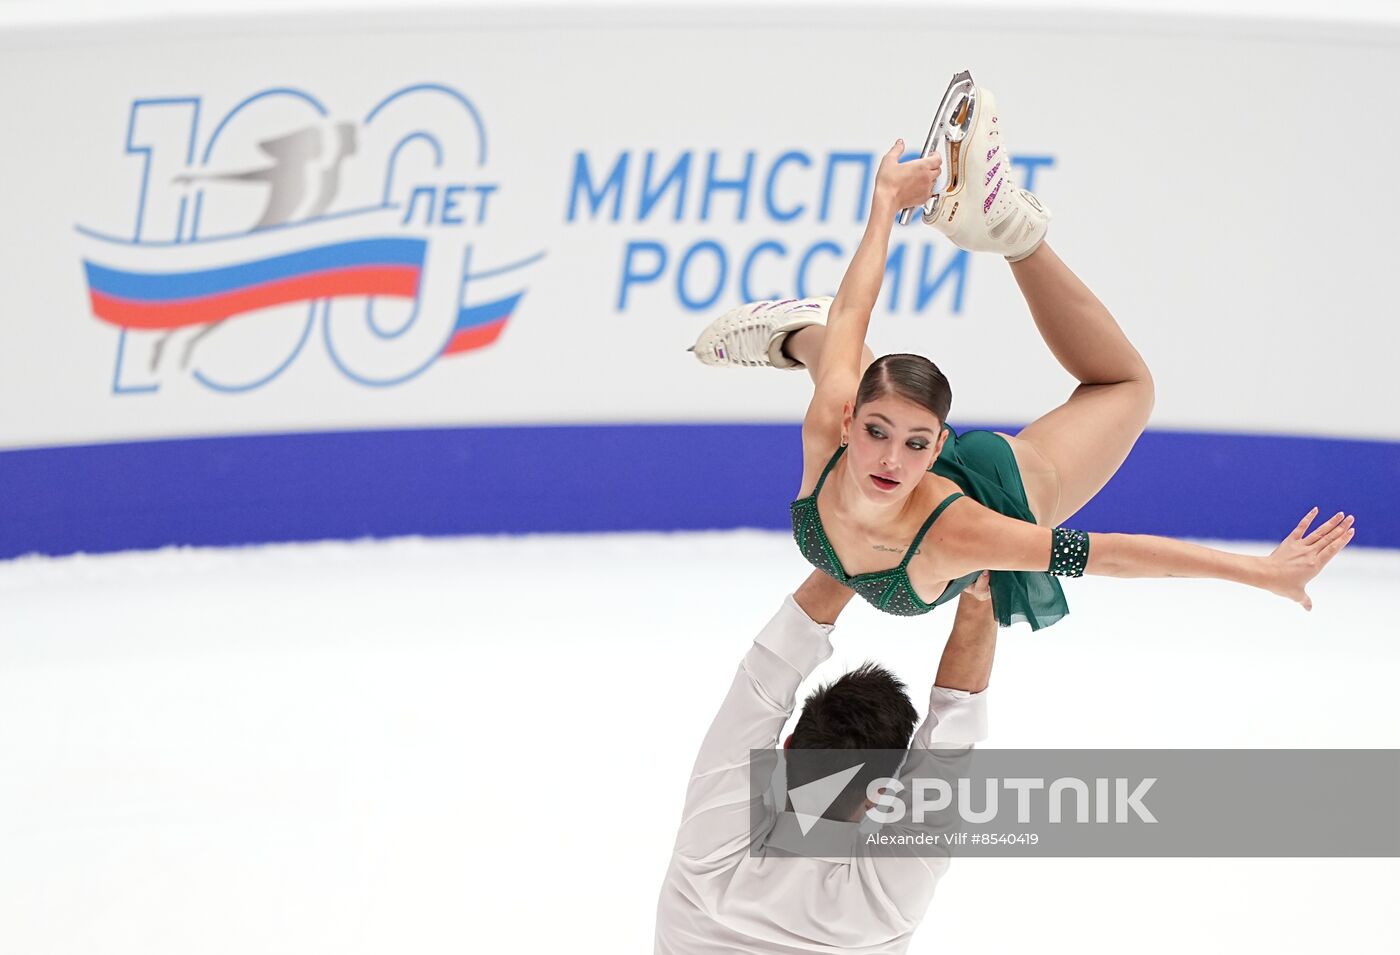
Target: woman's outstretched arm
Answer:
[[979, 538], [897, 186]]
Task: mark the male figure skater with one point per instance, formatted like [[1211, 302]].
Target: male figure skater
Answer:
[[723, 894]]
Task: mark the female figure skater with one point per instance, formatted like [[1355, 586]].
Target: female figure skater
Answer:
[[884, 478]]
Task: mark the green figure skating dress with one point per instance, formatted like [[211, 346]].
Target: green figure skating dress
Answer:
[[984, 466]]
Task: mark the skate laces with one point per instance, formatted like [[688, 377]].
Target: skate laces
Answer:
[[745, 342], [1017, 222]]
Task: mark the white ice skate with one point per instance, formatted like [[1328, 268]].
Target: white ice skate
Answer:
[[752, 335], [979, 206]]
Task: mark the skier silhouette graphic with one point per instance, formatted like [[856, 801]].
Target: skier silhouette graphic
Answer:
[[302, 183]]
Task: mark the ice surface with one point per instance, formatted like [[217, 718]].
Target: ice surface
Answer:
[[481, 745]]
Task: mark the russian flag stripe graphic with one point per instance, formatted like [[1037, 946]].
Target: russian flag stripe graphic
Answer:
[[152, 300], [480, 325], [397, 281], [165, 287], [474, 338]]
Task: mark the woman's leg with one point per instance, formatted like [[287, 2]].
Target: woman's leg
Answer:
[[1068, 455], [805, 345]]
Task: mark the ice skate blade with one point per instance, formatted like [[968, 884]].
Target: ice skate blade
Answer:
[[951, 123]]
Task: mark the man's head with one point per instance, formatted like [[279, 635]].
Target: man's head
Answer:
[[866, 709]]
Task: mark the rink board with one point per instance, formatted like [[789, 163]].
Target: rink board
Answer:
[[228, 491], [257, 294]]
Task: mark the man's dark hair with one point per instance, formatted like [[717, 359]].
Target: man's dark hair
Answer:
[[867, 710]]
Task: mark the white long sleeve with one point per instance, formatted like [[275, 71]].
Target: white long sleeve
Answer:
[[723, 894]]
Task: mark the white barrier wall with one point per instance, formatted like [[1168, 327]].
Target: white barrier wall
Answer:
[[488, 218], [1194, 184]]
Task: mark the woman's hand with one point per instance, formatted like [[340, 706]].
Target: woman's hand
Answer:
[[902, 185], [1301, 558]]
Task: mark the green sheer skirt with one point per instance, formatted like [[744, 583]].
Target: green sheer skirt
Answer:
[[984, 466]]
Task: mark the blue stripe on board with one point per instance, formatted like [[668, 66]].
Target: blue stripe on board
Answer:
[[486, 313], [243, 490], [175, 286]]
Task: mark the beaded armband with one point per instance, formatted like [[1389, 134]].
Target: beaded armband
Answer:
[[1069, 552]]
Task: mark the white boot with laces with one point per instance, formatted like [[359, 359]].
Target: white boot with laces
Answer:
[[752, 335], [981, 209]]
